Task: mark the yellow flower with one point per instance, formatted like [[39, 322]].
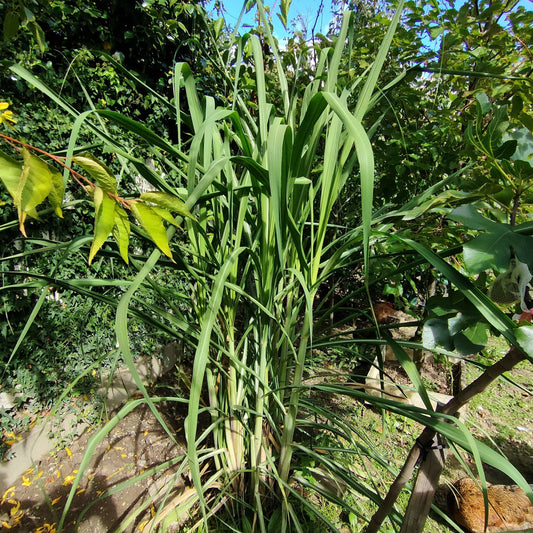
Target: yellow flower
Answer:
[[47, 528], [9, 493], [68, 480], [6, 115]]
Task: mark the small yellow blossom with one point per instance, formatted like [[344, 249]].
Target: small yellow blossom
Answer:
[[6, 114], [68, 480], [47, 528], [9, 493]]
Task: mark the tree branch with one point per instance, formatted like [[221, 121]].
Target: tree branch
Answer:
[[511, 359]]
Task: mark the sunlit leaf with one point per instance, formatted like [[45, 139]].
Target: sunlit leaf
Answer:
[[34, 186], [98, 171], [490, 250], [436, 333], [121, 232], [165, 215], [10, 171], [172, 203], [153, 224], [104, 220], [524, 335]]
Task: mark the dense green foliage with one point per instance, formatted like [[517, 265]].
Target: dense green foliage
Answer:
[[294, 186]]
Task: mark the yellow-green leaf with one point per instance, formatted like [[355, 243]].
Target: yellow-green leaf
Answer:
[[57, 193], [121, 232], [153, 224], [99, 171], [163, 199], [10, 171], [34, 185], [165, 215], [104, 220]]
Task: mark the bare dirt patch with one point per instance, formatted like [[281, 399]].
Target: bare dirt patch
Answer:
[[135, 445]]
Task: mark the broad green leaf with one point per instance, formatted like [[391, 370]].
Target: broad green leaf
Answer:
[[506, 150], [435, 31], [285, 4], [472, 339], [11, 25], [495, 130], [524, 335], [104, 220], [218, 26], [484, 104], [10, 171], [167, 201], [153, 224], [477, 334], [98, 171], [436, 333], [121, 232], [490, 250], [483, 304], [527, 121], [493, 248], [471, 218], [34, 186]]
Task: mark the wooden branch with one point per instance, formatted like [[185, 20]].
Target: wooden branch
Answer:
[[511, 359], [425, 487]]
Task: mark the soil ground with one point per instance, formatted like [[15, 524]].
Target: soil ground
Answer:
[[502, 417], [136, 444]]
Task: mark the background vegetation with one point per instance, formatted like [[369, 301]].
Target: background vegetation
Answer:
[[298, 183]]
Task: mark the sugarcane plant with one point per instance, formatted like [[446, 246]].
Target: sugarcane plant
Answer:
[[249, 226], [241, 211]]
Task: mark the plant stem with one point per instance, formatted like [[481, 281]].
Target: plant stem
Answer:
[[511, 359], [292, 411]]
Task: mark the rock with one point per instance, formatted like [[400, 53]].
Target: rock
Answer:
[[509, 507], [7, 401]]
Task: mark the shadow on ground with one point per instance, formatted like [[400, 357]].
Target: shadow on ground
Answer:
[[135, 445]]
